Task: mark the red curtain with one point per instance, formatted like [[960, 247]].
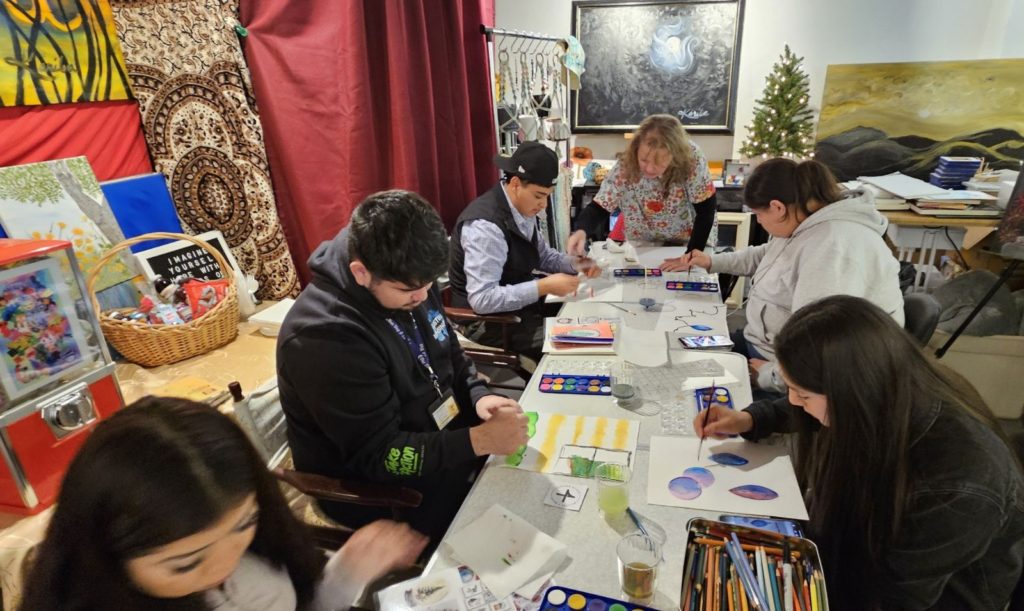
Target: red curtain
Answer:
[[109, 134], [361, 96]]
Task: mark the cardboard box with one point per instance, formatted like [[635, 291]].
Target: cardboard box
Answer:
[[993, 364]]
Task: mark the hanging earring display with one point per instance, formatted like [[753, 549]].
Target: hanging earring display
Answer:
[[542, 101], [507, 112]]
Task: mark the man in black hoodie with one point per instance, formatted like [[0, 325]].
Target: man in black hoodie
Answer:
[[373, 381]]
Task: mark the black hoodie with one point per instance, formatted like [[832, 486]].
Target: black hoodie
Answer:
[[356, 400]]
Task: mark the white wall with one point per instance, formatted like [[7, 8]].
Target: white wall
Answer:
[[823, 32]]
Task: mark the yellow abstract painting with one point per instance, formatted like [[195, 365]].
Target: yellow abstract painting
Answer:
[[59, 51], [901, 117]]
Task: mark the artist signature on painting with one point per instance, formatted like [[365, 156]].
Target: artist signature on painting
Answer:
[[697, 113]]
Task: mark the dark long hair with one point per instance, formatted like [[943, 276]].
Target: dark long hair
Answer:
[[857, 469], [157, 471], [792, 183]]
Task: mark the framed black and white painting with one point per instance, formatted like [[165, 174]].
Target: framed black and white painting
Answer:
[[649, 57]]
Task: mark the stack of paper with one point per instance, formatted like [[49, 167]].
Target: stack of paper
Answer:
[[451, 589], [507, 552], [596, 333], [583, 335], [884, 200]]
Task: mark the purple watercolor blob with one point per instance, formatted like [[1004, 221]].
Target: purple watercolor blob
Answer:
[[684, 488], [755, 492], [729, 460], [701, 475]]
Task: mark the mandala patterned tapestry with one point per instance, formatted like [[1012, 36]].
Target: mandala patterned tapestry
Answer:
[[199, 116]]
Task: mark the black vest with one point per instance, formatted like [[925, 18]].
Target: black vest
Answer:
[[522, 258]]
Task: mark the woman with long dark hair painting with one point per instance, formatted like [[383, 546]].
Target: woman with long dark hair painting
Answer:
[[916, 500]]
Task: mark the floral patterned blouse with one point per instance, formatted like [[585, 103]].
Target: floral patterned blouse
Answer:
[[648, 215]]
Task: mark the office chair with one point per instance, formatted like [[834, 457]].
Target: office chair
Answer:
[[920, 316]]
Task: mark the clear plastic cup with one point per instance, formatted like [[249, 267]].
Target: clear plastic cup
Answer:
[[639, 556], [612, 488]]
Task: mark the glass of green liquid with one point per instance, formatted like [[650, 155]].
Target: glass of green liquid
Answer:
[[639, 557], [612, 488]]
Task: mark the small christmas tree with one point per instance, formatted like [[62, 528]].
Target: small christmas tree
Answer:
[[782, 120]]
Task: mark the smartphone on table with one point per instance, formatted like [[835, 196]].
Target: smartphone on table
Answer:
[[783, 527], [706, 342]]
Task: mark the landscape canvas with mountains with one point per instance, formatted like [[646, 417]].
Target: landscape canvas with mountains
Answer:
[[883, 118]]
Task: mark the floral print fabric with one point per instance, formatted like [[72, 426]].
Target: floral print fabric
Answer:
[[649, 214]]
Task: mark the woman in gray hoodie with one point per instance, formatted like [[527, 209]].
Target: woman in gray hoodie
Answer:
[[825, 241]]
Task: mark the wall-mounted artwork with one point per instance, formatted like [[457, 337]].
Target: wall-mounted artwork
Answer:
[[644, 58], [61, 200], [59, 51], [882, 118]]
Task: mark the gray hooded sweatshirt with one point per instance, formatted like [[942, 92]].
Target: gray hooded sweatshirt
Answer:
[[837, 250]]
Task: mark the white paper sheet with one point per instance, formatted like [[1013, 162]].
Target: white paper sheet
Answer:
[[555, 439], [902, 186], [768, 467], [506, 551], [693, 383], [640, 347]]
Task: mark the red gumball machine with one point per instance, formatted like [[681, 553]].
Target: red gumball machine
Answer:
[[56, 375]]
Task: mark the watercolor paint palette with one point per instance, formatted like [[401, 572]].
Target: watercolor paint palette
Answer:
[[764, 551], [559, 598], [627, 272], [693, 286], [566, 384], [704, 400]]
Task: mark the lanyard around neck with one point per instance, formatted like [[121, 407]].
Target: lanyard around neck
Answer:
[[417, 347]]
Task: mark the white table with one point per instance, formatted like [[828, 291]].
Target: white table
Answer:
[[591, 539]]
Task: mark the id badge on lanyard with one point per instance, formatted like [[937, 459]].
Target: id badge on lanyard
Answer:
[[444, 409]]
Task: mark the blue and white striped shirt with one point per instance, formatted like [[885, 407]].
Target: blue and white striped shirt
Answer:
[[486, 251]]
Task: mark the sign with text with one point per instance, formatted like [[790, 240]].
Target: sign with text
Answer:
[[185, 258]]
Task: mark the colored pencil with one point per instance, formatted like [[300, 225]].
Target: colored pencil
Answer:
[[774, 575], [820, 580], [728, 589], [746, 575], [787, 585], [814, 596], [769, 549], [766, 579], [691, 553]]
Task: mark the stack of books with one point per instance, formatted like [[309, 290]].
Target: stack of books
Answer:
[[597, 334], [953, 171], [957, 204]]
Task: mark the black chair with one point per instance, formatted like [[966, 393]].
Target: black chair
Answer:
[[920, 316]]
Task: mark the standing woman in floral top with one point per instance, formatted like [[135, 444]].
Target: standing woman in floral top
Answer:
[[662, 186]]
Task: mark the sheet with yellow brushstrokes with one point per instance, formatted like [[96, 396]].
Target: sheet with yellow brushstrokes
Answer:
[[572, 445]]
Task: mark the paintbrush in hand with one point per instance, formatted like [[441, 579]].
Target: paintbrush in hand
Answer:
[[707, 411]]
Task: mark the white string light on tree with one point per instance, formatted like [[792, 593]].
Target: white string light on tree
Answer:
[[782, 124]]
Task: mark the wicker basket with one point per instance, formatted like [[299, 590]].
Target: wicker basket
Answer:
[[152, 345]]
